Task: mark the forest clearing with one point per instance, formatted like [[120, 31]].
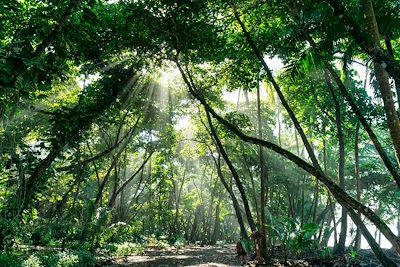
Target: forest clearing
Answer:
[[199, 133]]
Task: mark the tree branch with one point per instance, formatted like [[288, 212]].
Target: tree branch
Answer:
[[57, 29]]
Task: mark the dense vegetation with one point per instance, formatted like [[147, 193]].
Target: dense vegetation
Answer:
[[118, 129]]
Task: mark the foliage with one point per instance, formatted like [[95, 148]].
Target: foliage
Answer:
[[102, 148], [157, 243], [326, 253], [352, 254], [180, 242], [32, 261], [296, 238], [10, 259], [50, 259], [124, 249]]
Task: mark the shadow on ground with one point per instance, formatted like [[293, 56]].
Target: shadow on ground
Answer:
[[226, 256], [191, 256]]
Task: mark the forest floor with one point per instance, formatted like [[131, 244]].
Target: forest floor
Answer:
[[226, 256]]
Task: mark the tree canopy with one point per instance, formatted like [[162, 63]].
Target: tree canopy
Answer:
[[168, 122]]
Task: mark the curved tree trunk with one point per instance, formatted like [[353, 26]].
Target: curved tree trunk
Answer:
[[277, 88], [342, 197], [27, 189], [119, 189], [382, 257], [234, 174], [235, 202], [389, 49], [393, 169], [366, 44], [382, 77]]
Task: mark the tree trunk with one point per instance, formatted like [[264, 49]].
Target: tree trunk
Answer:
[[99, 195], [217, 225], [357, 243], [246, 97], [278, 120], [320, 220], [392, 168], [177, 204], [302, 188], [340, 249], [209, 218], [235, 202], [343, 198], [367, 45], [382, 257], [26, 191], [398, 224], [117, 177], [263, 179], [316, 200], [332, 207], [390, 52], [194, 231], [277, 88], [234, 174], [382, 77], [125, 184], [253, 187], [324, 235]]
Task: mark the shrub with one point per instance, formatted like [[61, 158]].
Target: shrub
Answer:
[[352, 254], [153, 242], [127, 248], [86, 258], [48, 260], [8, 259], [325, 253], [295, 238], [67, 260], [77, 258], [58, 231], [180, 242], [32, 261]]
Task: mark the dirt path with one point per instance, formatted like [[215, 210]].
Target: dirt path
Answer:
[[225, 256], [190, 256]]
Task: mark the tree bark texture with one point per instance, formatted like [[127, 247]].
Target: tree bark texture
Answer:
[[382, 77]]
